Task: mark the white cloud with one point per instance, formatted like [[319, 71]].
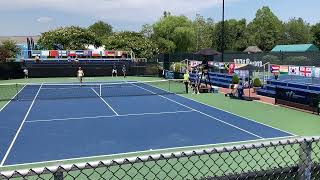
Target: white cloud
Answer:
[[129, 10], [44, 19]]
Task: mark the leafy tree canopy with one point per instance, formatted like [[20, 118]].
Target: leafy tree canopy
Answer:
[[296, 31], [101, 29], [8, 49], [177, 29], [265, 29], [132, 41], [316, 34], [72, 37]]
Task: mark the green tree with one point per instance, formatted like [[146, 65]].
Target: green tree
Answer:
[[265, 29], [236, 35], [204, 32], [11, 47], [72, 37], [4, 54], [132, 41], [177, 29], [147, 30], [315, 29], [101, 29], [296, 31]]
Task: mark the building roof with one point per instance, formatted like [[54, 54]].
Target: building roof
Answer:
[[295, 48], [19, 39], [253, 49]]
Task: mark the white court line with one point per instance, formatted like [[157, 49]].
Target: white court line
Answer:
[[202, 113], [230, 112], [13, 97], [97, 117], [158, 151], [21, 125], [105, 101]]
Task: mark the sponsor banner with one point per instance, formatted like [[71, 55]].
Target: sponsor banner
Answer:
[[237, 66]]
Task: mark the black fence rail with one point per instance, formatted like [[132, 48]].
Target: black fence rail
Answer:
[[278, 159], [281, 58]]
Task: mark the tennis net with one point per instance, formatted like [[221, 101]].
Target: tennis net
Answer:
[[88, 90]]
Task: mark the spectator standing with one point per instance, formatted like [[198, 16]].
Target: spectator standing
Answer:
[[80, 74], [186, 80], [124, 70], [26, 73], [114, 70]]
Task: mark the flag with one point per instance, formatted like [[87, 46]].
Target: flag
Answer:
[[63, 53], [284, 69], [294, 70], [72, 53], [79, 53], [306, 71], [316, 72], [275, 69], [110, 53], [119, 53], [29, 48], [45, 53], [53, 53], [87, 53], [36, 53], [221, 65], [96, 53], [32, 43]]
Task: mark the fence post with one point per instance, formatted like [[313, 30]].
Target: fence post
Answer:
[[305, 160], [58, 175]]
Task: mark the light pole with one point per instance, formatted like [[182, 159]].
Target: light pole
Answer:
[[222, 33]]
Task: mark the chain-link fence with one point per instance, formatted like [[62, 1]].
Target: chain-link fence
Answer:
[[281, 58], [282, 159]]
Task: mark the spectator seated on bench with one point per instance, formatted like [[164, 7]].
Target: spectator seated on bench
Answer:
[[236, 91], [204, 88]]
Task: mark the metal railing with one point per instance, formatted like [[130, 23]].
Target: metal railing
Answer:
[[278, 159]]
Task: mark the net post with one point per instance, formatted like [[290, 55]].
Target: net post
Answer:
[[305, 160], [100, 90]]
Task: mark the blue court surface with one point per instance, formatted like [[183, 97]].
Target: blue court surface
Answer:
[[42, 129]]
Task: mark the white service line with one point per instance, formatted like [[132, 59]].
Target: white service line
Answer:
[[202, 113], [294, 135], [13, 97], [21, 125], [97, 117], [105, 101]]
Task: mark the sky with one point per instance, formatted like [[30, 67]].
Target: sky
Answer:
[[32, 17]]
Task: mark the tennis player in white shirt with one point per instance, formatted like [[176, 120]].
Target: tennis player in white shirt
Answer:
[[80, 74]]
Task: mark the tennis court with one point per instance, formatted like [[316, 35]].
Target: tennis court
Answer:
[[48, 122]]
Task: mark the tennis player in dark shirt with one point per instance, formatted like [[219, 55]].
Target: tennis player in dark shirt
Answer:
[[114, 70], [124, 70]]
